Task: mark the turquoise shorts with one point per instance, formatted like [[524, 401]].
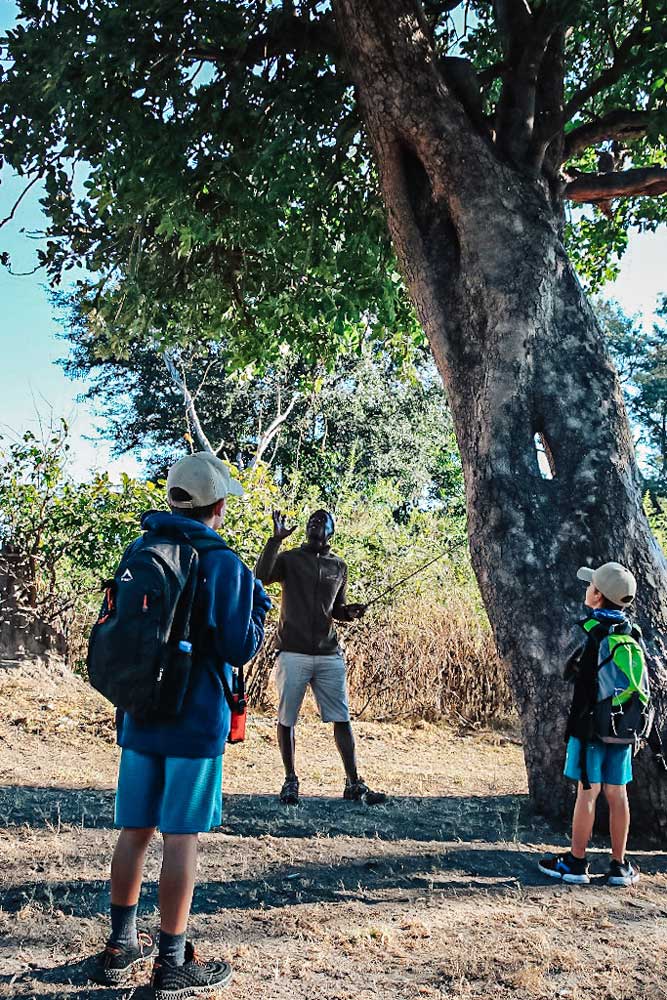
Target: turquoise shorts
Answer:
[[176, 794], [606, 763]]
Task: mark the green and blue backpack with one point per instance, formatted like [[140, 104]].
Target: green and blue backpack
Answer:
[[622, 712]]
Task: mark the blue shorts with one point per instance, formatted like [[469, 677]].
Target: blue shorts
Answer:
[[176, 794], [606, 763]]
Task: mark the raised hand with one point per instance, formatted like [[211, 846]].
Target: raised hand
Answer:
[[280, 529]]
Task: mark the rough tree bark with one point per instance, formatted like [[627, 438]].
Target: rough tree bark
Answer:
[[520, 353]]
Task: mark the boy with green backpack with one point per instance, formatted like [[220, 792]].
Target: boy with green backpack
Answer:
[[609, 717]]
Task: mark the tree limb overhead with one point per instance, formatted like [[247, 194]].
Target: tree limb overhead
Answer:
[[622, 59], [619, 124], [622, 184], [285, 34]]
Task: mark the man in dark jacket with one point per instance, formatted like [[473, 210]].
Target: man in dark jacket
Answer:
[[313, 582], [170, 773]]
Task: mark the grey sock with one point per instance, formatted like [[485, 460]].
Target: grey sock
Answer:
[[124, 926], [172, 948]]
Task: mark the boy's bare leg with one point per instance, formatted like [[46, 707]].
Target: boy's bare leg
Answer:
[[619, 819], [344, 737], [177, 881], [287, 746], [127, 865], [583, 818]]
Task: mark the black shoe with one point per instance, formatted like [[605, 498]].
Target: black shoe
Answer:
[[622, 874], [191, 979], [566, 868], [289, 793], [358, 791], [114, 965]]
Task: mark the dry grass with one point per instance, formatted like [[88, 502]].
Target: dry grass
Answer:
[[435, 895], [415, 660]]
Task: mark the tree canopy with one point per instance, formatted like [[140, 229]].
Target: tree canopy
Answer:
[[205, 162], [369, 421], [641, 359]]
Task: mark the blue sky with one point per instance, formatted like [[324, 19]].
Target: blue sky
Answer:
[[33, 386]]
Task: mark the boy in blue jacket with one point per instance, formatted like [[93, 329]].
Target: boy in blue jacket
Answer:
[[170, 773]]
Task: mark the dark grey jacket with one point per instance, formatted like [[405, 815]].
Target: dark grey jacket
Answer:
[[313, 594]]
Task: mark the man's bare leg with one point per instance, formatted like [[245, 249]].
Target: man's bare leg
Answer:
[[356, 788], [289, 794], [344, 737], [287, 746]]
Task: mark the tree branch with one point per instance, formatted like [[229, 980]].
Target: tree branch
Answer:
[[435, 8], [190, 407], [526, 39], [267, 437], [620, 62], [514, 17], [8, 218], [624, 184], [285, 33], [491, 73], [619, 124], [25, 274]]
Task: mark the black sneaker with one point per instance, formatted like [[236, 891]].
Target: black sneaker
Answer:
[[566, 868], [358, 791], [114, 965], [622, 874], [289, 793], [191, 979]]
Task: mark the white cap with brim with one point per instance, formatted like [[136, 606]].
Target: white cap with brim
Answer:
[[614, 582], [204, 477]]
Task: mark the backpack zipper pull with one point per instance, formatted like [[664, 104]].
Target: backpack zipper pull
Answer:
[[144, 606]]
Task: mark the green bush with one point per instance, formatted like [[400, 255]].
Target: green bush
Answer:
[[656, 511]]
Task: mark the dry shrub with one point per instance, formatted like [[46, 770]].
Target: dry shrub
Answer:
[[416, 659], [429, 661]]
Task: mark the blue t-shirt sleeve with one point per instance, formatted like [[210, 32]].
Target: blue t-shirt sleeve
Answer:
[[237, 606]]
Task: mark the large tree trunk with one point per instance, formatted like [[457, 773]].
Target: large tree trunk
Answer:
[[521, 354]]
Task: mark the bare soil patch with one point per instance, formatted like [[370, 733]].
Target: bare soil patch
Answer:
[[434, 895]]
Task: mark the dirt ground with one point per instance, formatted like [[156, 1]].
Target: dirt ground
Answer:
[[435, 895]]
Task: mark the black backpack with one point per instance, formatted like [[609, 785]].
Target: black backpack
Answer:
[[140, 651]]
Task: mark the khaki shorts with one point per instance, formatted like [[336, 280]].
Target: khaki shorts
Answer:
[[293, 673]]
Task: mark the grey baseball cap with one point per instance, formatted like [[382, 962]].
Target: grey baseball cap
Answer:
[[614, 581], [203, 476]]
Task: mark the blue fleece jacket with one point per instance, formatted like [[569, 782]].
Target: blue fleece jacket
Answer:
[[227, 630]]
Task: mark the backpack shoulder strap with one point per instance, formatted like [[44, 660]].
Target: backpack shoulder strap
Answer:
[[202, 545], [654, 741], [238, 704], [594, 629], [592, 626]]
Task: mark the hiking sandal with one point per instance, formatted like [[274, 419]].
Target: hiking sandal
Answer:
[[114, 965], [358, 791], [289, 793]]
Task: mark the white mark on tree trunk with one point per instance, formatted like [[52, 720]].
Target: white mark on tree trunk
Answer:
[[545, 458]]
